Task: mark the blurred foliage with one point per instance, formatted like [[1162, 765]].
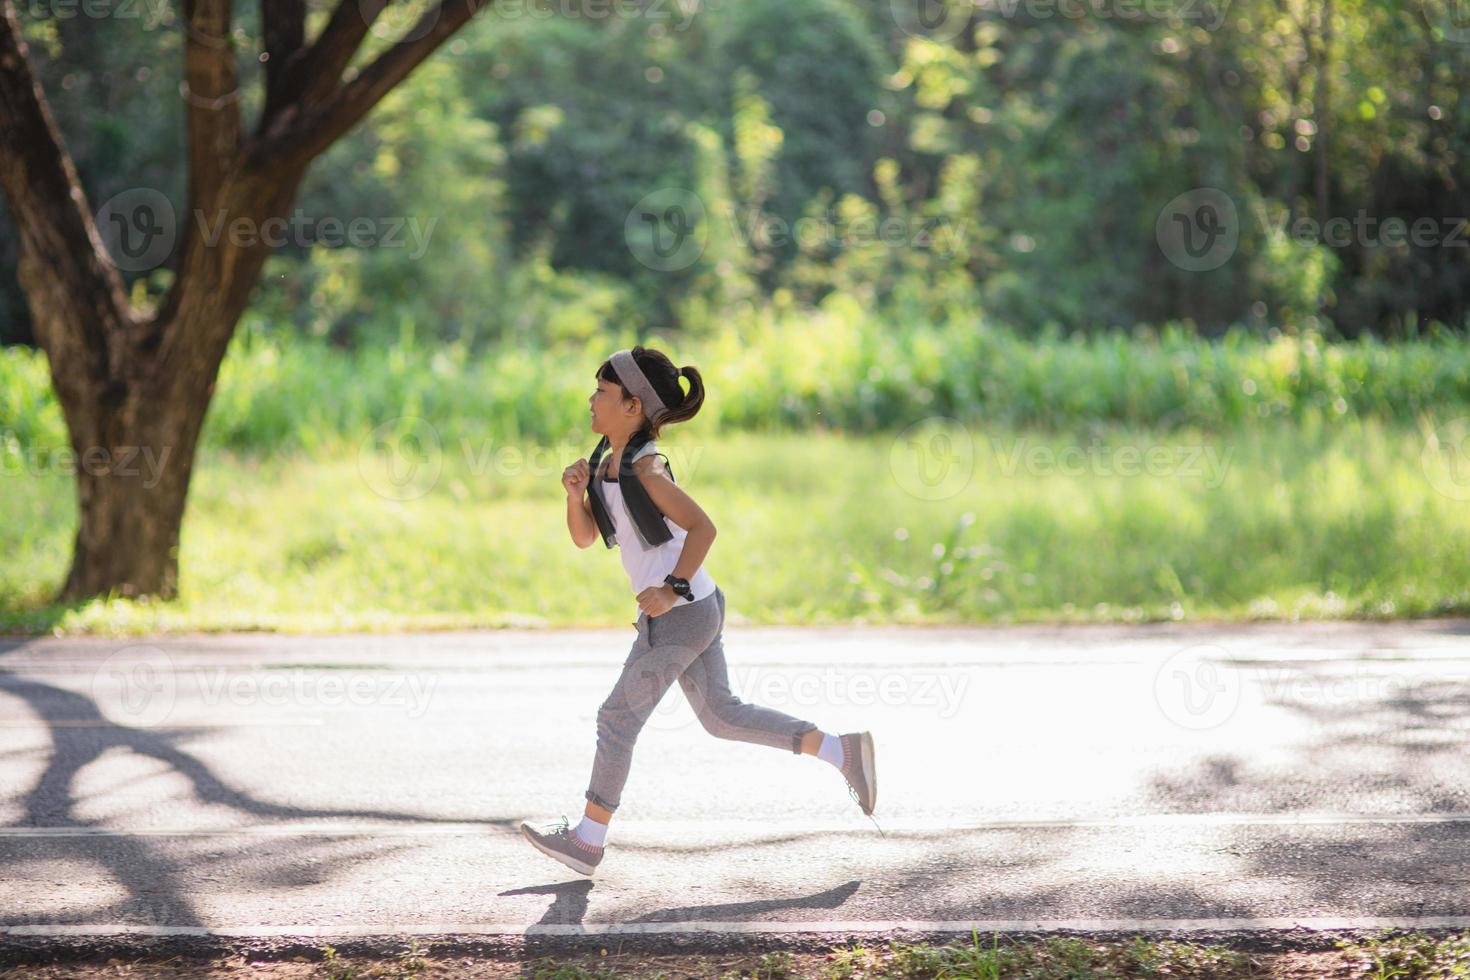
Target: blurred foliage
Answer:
[[844, 368], [1010, 160]]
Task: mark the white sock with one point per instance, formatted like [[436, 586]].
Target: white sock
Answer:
[[590, 831], [831, 750]]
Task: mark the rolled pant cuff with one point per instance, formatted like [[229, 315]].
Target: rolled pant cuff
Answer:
[[599, 801], [796, 739]]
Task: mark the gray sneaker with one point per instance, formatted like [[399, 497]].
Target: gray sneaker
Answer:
[[859, 769], [559, 840]]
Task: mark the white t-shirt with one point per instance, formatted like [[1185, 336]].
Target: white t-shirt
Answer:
[[648, 566]]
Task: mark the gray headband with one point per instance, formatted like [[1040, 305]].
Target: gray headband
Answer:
[[633, 378]]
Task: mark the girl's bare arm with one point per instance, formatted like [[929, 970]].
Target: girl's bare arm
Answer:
[[680, 508], [580, 522]]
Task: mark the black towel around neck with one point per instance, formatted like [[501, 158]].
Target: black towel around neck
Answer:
[[645, 513]]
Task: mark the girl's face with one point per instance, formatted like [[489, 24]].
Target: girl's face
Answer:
[[606, 406]]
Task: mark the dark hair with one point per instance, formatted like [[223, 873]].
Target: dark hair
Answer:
[[664, 377]]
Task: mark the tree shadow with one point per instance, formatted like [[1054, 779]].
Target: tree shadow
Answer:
[[80, 734], [1401, 743]]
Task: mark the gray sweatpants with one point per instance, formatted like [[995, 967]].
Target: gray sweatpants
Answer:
[[683, 643]]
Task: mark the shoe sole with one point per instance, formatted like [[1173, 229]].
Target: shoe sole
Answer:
[[870, 770], [567, 859]]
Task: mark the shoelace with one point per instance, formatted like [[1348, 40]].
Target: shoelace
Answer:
[[565, 829], [852, 792]]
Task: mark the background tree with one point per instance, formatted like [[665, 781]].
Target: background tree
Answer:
[[135, 378]]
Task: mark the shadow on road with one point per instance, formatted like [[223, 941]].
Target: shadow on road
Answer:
[[80, 733], [1403, 741]]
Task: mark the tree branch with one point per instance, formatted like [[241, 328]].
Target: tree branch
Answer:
[[212, 91], [82, 317], [334, 47], [284, 28], [319, 125]]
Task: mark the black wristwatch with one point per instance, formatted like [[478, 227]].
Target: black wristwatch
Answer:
[[680, 586]]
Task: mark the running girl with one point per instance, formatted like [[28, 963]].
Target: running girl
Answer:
[[663, 537]]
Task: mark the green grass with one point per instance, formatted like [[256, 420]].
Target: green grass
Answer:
[[859, 470], [1409, 956], [1049, 959], [842, 368], [1288, 521]]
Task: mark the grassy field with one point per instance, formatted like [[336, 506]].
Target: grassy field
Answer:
[[843, 369], [859, 471], [944, 523]]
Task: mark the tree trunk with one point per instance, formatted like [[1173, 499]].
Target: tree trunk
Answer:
[[134, 386], [135, 439], [132, 481]]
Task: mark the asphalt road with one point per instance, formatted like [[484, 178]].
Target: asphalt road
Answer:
[[1080, 778]]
